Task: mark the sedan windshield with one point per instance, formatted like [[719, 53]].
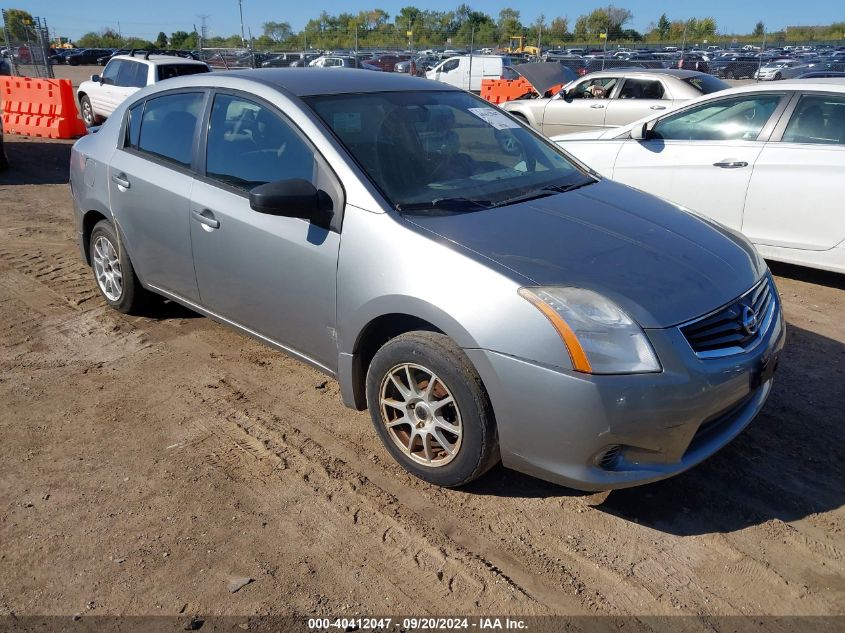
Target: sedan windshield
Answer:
[[445, 152]]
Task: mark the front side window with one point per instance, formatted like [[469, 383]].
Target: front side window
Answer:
[[168, 126], [593, 88], [451, 65], [250, 145], [446, 150], [734, 119], [111, 71], [817, 119]]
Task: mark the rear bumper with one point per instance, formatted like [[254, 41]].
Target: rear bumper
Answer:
[[603, 432]]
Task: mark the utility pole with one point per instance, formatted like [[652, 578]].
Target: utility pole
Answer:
[[241, 9], [203, 30]]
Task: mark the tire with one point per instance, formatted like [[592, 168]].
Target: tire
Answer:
[[453, 458], [778, 77], [729, 74], [87, 112], [113, 272]]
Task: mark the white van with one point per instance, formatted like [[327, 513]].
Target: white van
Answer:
[[455, 71]]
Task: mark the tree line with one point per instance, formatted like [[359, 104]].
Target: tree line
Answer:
[[425, 28]]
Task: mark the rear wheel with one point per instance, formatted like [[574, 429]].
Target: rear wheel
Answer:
[[430, 409], [113, 271], [778, 77]]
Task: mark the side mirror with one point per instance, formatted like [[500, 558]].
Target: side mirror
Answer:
[[295, 198], [641, 132], [96, 79]]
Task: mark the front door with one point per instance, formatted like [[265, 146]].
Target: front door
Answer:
[[275, 276], [701, 157], [581, 109]]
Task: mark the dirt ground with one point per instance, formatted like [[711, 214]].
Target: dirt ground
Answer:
[[147, 461]]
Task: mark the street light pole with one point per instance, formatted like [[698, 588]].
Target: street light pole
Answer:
[[241, 9]]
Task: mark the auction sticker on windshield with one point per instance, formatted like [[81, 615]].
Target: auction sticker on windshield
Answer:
[[497, 119]]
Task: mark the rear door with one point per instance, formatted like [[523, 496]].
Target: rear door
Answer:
[[273, 275], [702, 157], [150, 185], [637, 98], [795, 198]]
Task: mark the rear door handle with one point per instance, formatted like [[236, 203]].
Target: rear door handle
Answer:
[[731, 164], [658, 107], [206, 218], [121, 180], [597, 105]]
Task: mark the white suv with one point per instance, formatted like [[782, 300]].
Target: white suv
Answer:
[[126, 74]]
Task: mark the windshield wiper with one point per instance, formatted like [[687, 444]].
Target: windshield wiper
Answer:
[[446, 204], [542, 192]]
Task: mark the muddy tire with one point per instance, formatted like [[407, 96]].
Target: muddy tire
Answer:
[[430, 409], [113, 272]]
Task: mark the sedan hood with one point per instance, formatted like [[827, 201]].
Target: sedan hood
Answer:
[[660, 264]]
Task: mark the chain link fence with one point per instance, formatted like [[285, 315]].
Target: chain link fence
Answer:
[[26, 46]]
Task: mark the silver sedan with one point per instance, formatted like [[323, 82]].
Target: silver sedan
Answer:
[[612, 98], [481, 294]]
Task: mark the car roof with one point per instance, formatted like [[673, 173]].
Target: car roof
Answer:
[[303, 82], [160, 60], [672, 72]]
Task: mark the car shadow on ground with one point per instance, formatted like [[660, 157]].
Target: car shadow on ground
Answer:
[[36, 161], [786, 465], [808, 275]]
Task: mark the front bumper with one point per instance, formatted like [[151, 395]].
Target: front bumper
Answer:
[[594, 432]]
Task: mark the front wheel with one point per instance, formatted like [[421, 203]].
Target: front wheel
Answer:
[[88, 115], [430, 409]]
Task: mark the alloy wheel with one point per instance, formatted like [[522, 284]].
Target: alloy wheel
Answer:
[[421, 415], [107, 269]]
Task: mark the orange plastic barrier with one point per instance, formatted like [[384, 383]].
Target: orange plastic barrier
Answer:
[[501, 90], [40, 107]]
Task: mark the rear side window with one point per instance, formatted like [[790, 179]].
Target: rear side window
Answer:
[[133, 126], [169, 71], [818, 119], [132, 75], [168, 126], [641, 89]]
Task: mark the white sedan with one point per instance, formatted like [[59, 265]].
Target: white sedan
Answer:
[[766, 160]]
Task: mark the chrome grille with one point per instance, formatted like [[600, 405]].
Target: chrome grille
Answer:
[[736, 327]]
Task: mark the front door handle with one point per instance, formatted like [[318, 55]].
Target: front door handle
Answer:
[[597, 105], [731, 164], [658, 107], [206, 218], [121, 180]]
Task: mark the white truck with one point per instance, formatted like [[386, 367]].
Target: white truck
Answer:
[[467, 71]]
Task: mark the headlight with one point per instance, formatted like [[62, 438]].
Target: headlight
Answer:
[[600, 337]]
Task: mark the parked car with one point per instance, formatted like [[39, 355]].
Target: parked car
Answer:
[[333, 61], [468, 72], [612, 98], [781, 69], [5, 66], [60, 56], [763, 161], [84, 56], [484, 296], [694, 61], [125, 75], [821, 74], [384, 63], [735, 66]]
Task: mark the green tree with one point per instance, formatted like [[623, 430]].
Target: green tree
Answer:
[[759, 29], [559, 29], [19, 23], [179, 39], [277, 31], [509, 23], [161, 40], [663, 26]]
